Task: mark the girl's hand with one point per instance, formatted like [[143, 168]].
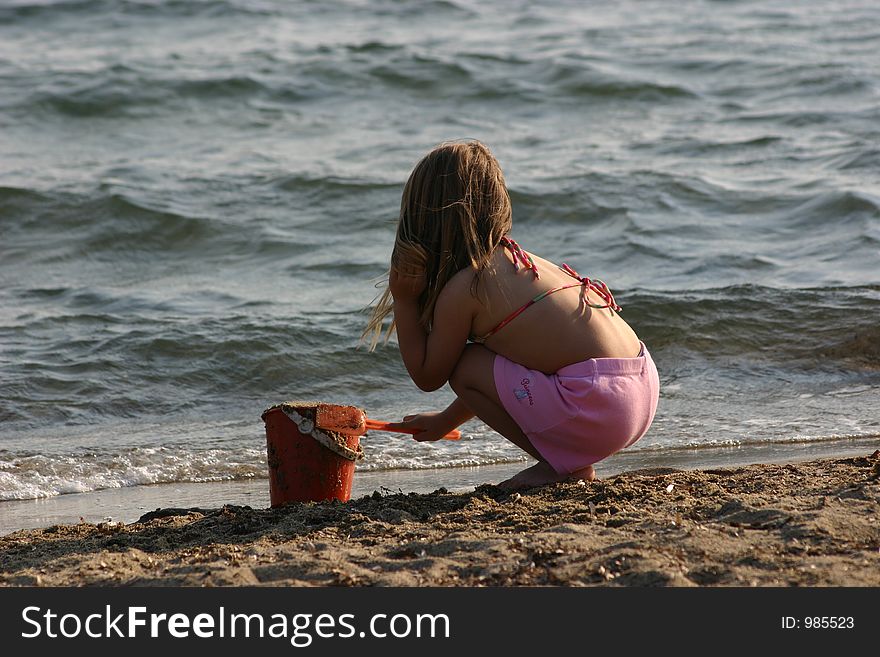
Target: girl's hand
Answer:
[[406, 282], [431, 426]]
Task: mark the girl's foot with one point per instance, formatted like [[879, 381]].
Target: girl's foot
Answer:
[[542, 474]]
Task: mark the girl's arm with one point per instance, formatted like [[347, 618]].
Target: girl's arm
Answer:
[[436, 425], [431, 357]]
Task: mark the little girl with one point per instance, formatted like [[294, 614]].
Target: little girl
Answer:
[[536, 351]]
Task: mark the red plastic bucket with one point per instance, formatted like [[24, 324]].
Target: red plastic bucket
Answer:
[[307, 464]]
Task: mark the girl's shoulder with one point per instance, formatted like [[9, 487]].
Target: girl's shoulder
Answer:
[[456, 296], [460, 284]]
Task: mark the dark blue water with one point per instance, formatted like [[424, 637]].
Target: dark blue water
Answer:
[[197, 200]]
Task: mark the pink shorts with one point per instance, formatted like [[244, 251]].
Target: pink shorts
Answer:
[[584, 412]]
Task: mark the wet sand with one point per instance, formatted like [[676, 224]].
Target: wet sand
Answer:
[[812, 523], [127, 504]]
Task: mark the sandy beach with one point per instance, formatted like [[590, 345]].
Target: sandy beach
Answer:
[[812, 523]]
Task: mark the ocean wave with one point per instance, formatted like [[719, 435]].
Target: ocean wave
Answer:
[[584, 81], [806, 328], [129, 359], [704, 443], [34, 476], [133, 226], [700, 62], [101, 225], [39, 476], [331, 187], [24, 10], [834, 210], [117, 225], [137, 90], [770, 82], [587, 201], [856, 117], [691, 146], [120, 91], [25, 475], [428, 75], [93, 97], [421, 8], [19, 199], [858, 158]]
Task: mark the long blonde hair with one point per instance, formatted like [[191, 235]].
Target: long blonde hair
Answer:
[[454, 211]]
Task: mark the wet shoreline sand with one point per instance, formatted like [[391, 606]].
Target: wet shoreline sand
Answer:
[[127, 504], [811, 523]]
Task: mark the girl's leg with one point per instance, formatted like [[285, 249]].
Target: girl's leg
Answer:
[[473, 380]]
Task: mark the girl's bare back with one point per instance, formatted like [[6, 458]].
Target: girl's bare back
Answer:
[[556, 331]]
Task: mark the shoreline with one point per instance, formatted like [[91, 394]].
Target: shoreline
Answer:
[[127, 504], [807, 523]]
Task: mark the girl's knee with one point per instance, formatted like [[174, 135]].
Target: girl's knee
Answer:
[[472, 366]]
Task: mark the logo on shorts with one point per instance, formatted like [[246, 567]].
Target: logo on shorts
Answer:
[[524, 392]]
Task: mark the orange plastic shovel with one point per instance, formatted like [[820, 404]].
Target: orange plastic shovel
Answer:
[[378, 425], [353, 421]]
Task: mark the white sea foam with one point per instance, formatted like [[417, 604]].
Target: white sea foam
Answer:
[[32, 477]]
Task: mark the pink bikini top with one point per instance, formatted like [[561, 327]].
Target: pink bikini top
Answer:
[[523, 259]]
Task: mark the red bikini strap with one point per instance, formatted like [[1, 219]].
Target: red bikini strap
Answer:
[[520, 257], [596, 286]]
